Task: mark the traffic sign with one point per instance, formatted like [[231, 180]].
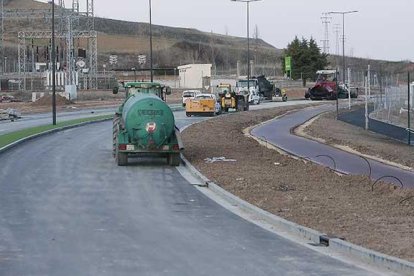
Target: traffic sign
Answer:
[[113, 59]]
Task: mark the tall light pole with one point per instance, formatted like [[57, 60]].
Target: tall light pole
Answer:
[[150, 27], [53, 65], [248, 38], [343, 39]]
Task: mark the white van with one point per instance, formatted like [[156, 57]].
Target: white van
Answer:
[[190, 94]]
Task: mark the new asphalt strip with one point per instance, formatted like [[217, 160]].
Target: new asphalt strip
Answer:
[[279, 133]]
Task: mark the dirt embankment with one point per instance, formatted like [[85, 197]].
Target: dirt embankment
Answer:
[[300, 191]]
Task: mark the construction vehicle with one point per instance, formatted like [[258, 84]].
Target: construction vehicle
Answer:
[[266, 88], [9, 114], [144, 124], [343, 91], [249, 88], [202, 105], [231, 99], [325, 86], [279, 95]]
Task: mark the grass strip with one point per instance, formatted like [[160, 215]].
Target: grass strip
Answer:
[[11, 137]]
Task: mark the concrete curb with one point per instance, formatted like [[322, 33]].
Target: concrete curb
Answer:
[[48, 132], [371, 257]]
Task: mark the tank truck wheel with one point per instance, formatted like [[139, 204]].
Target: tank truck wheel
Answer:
[[240, 105], [174, 159]]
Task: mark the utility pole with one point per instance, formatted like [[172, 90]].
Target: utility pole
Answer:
[[150, 29], [2, 34], [343, 39], [53, 66], [248, 38], [409, 111]]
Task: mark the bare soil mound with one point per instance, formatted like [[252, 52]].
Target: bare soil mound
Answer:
[[47, 101]]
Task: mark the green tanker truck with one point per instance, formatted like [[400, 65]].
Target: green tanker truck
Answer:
[[144, 125]]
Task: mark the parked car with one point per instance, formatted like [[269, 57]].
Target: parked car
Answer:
[[189, 94]]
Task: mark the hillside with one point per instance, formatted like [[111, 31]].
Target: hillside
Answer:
[[175, 46], [172, 46]]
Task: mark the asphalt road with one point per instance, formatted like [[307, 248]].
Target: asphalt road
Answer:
[[67, 209], [34, 120], [278, 132]]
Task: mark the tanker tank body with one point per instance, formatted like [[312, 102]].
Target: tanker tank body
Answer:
[[144, 125]]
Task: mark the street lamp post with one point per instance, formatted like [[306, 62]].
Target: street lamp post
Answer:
[[150, 27], [53, 65], [343, 39], [248, 38]]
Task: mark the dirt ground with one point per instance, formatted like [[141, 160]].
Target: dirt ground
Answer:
[[300, 191], [295, 93]]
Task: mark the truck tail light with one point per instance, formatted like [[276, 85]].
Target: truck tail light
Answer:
[[151, 127], [122, 147], [176, 147]]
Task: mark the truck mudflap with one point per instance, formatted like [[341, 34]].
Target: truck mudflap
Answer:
[[179, 139]]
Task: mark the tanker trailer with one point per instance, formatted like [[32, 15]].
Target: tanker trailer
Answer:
[[144, 125]]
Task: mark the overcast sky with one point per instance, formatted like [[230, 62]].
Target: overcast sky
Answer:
[[382, 29]]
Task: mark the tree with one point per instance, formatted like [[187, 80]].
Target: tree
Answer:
[[306, 58]]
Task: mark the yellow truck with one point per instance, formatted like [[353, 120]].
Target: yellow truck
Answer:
[[202, 105]]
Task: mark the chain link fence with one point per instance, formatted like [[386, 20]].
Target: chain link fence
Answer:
[[392, 106], [385, 105]]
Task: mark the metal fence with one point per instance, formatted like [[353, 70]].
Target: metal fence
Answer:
[[392, 106]]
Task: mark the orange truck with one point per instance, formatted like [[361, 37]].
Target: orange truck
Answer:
[[202, 105]]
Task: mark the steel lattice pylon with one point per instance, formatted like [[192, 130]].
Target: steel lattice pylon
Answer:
[[75, 6], [2, 37], [68, 28], [92, 45], [22, 59]]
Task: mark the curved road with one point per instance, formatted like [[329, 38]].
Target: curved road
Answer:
[[67, 209], [278, 133]]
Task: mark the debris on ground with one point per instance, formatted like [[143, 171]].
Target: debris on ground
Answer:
[[219, 159], [9, 114], [8, 99]]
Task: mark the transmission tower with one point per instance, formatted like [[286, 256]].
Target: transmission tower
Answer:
[[337, 30], [325, 42], [67, 28], [2, 52], [92, 44], [75, 6]]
